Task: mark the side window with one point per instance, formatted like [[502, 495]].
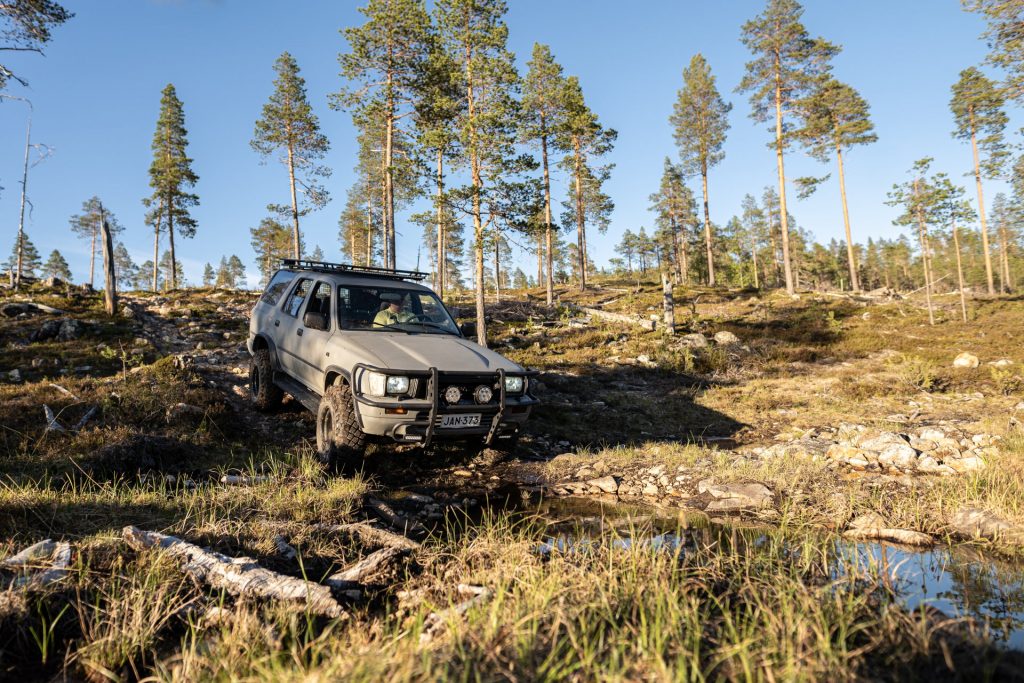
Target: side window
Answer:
[[320, 301], [277, 287], [298, 295]]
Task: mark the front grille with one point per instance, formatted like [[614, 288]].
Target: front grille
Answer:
[[467, 386]]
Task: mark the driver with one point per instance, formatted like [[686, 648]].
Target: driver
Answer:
[[393, 314]]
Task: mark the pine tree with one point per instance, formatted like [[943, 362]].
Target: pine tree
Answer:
[[951, 210], [25, 26], [787, 63], [288, 124], [57, 266], [171, 176], [387, 53], [543, 115], [209, 277], [676, 214], [700, 121], [475, 31], [918, 198], [438, 110], [836, 119], [30, 260], [272, 242], [977, 106], [1006, 217], [171, 272], [318, 253], [585, 138], [754, 228], [236, 271], [87, 226], [1005, 39], [126, 271]]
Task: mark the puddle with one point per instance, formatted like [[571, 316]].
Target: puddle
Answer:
[[959, 581]]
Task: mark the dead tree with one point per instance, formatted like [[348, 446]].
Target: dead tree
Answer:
[[110, 283], [670, 309]]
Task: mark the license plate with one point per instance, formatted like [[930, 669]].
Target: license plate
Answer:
[[457, 421]]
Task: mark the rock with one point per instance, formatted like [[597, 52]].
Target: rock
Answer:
[[928, 465], [586, 473], [1001, 363], [966, 360], [70, 329], [695, 340], [606, 484], [931, 434], [970, 463], [650, 490], [923, 445], [898, 455], [48, 330], [752, 495], [843, 453], [978, 523], [645, 360], [727, 505], [183, 412], [14, 375], [878, 442], [463, 473], [726, 338], [869, 520]]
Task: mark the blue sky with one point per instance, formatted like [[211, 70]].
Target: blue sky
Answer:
[[97, 91]]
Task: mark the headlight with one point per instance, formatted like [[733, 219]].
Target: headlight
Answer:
[[515, 385], [375, 382], [380, 385], [397, 385]]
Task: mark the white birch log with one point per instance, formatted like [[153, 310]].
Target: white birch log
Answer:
[[238, 576]]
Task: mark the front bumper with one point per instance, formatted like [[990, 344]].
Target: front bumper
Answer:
[[418, 419]]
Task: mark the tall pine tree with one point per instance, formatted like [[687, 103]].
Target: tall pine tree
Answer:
[[787, 63], [977, 106], [700, 121], [676, 214], [836, 119], [171, 177], [288, 124]]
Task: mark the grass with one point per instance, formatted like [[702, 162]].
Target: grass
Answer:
[[776, 603]]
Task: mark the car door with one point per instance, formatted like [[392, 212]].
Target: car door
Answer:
[[312, 342], [288, 326]]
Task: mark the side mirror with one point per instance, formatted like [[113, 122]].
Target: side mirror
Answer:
[[468, 329], [314, 320]]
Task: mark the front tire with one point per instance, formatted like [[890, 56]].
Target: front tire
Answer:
[[338, 435], [263, 393]]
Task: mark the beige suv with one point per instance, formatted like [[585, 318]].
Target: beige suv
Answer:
[[374, 354]]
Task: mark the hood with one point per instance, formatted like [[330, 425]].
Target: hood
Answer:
[[424, 351]]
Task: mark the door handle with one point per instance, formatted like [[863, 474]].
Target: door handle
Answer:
[[277, 323], [299, 331]]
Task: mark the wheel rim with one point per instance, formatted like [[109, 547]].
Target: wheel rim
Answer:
[[327, 428]]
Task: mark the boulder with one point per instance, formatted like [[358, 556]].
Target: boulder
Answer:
[[739, 496], [606, 484], [966, 360], [178, 413], [898, 455], [694, 341], [978, 523], [70, 329], [726, 338]]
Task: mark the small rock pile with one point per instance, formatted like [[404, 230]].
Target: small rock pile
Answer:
[[929, 450]]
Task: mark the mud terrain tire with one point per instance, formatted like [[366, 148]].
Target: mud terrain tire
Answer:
[[263, 393], [338, 436]]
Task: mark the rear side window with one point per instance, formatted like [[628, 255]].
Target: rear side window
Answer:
[[276, 288], [298, 295]]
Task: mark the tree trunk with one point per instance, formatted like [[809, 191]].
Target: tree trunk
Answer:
[[783, 218], [173, 276], [110, 276], [296, 241], [753, 254], [497, 265], [25, 188], [478, 227], [851, 261], [92, 257], [924, 253], [369, 221], [156, 248], [668, 303], [959, 272], [707, 225], [581, 256], [981, 210], [1004, 258], [549, 294], [441, 266], [389, 186]]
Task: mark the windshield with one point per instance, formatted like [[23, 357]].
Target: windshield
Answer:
[[383, 309]]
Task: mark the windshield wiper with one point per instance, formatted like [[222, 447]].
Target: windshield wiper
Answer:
[[436, 326], [392, 326]]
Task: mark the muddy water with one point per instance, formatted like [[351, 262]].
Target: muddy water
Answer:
[[959, 581]]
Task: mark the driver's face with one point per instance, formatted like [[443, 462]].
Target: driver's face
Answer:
[[395, 307]]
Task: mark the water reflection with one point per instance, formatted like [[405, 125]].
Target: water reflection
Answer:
[[959, 581]]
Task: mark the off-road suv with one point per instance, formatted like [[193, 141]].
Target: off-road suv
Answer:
[[374, 354]]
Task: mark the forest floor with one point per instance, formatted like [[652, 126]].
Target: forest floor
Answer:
[[699, 506]]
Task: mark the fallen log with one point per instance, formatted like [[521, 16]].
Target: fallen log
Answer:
[[637, 321], [237, 575], [367, 566], [388, 514], [436, 621], [902, 536], [369, 534], [53, 558]]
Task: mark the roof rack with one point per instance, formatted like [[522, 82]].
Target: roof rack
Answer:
[[372, 271]]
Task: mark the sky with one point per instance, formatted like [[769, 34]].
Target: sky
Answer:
[[96, 98]]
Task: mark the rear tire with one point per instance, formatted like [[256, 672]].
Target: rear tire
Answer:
[[264, 395], [338, 435]]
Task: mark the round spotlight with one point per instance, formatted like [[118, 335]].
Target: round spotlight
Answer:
[[483, 394], [453, 394]]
